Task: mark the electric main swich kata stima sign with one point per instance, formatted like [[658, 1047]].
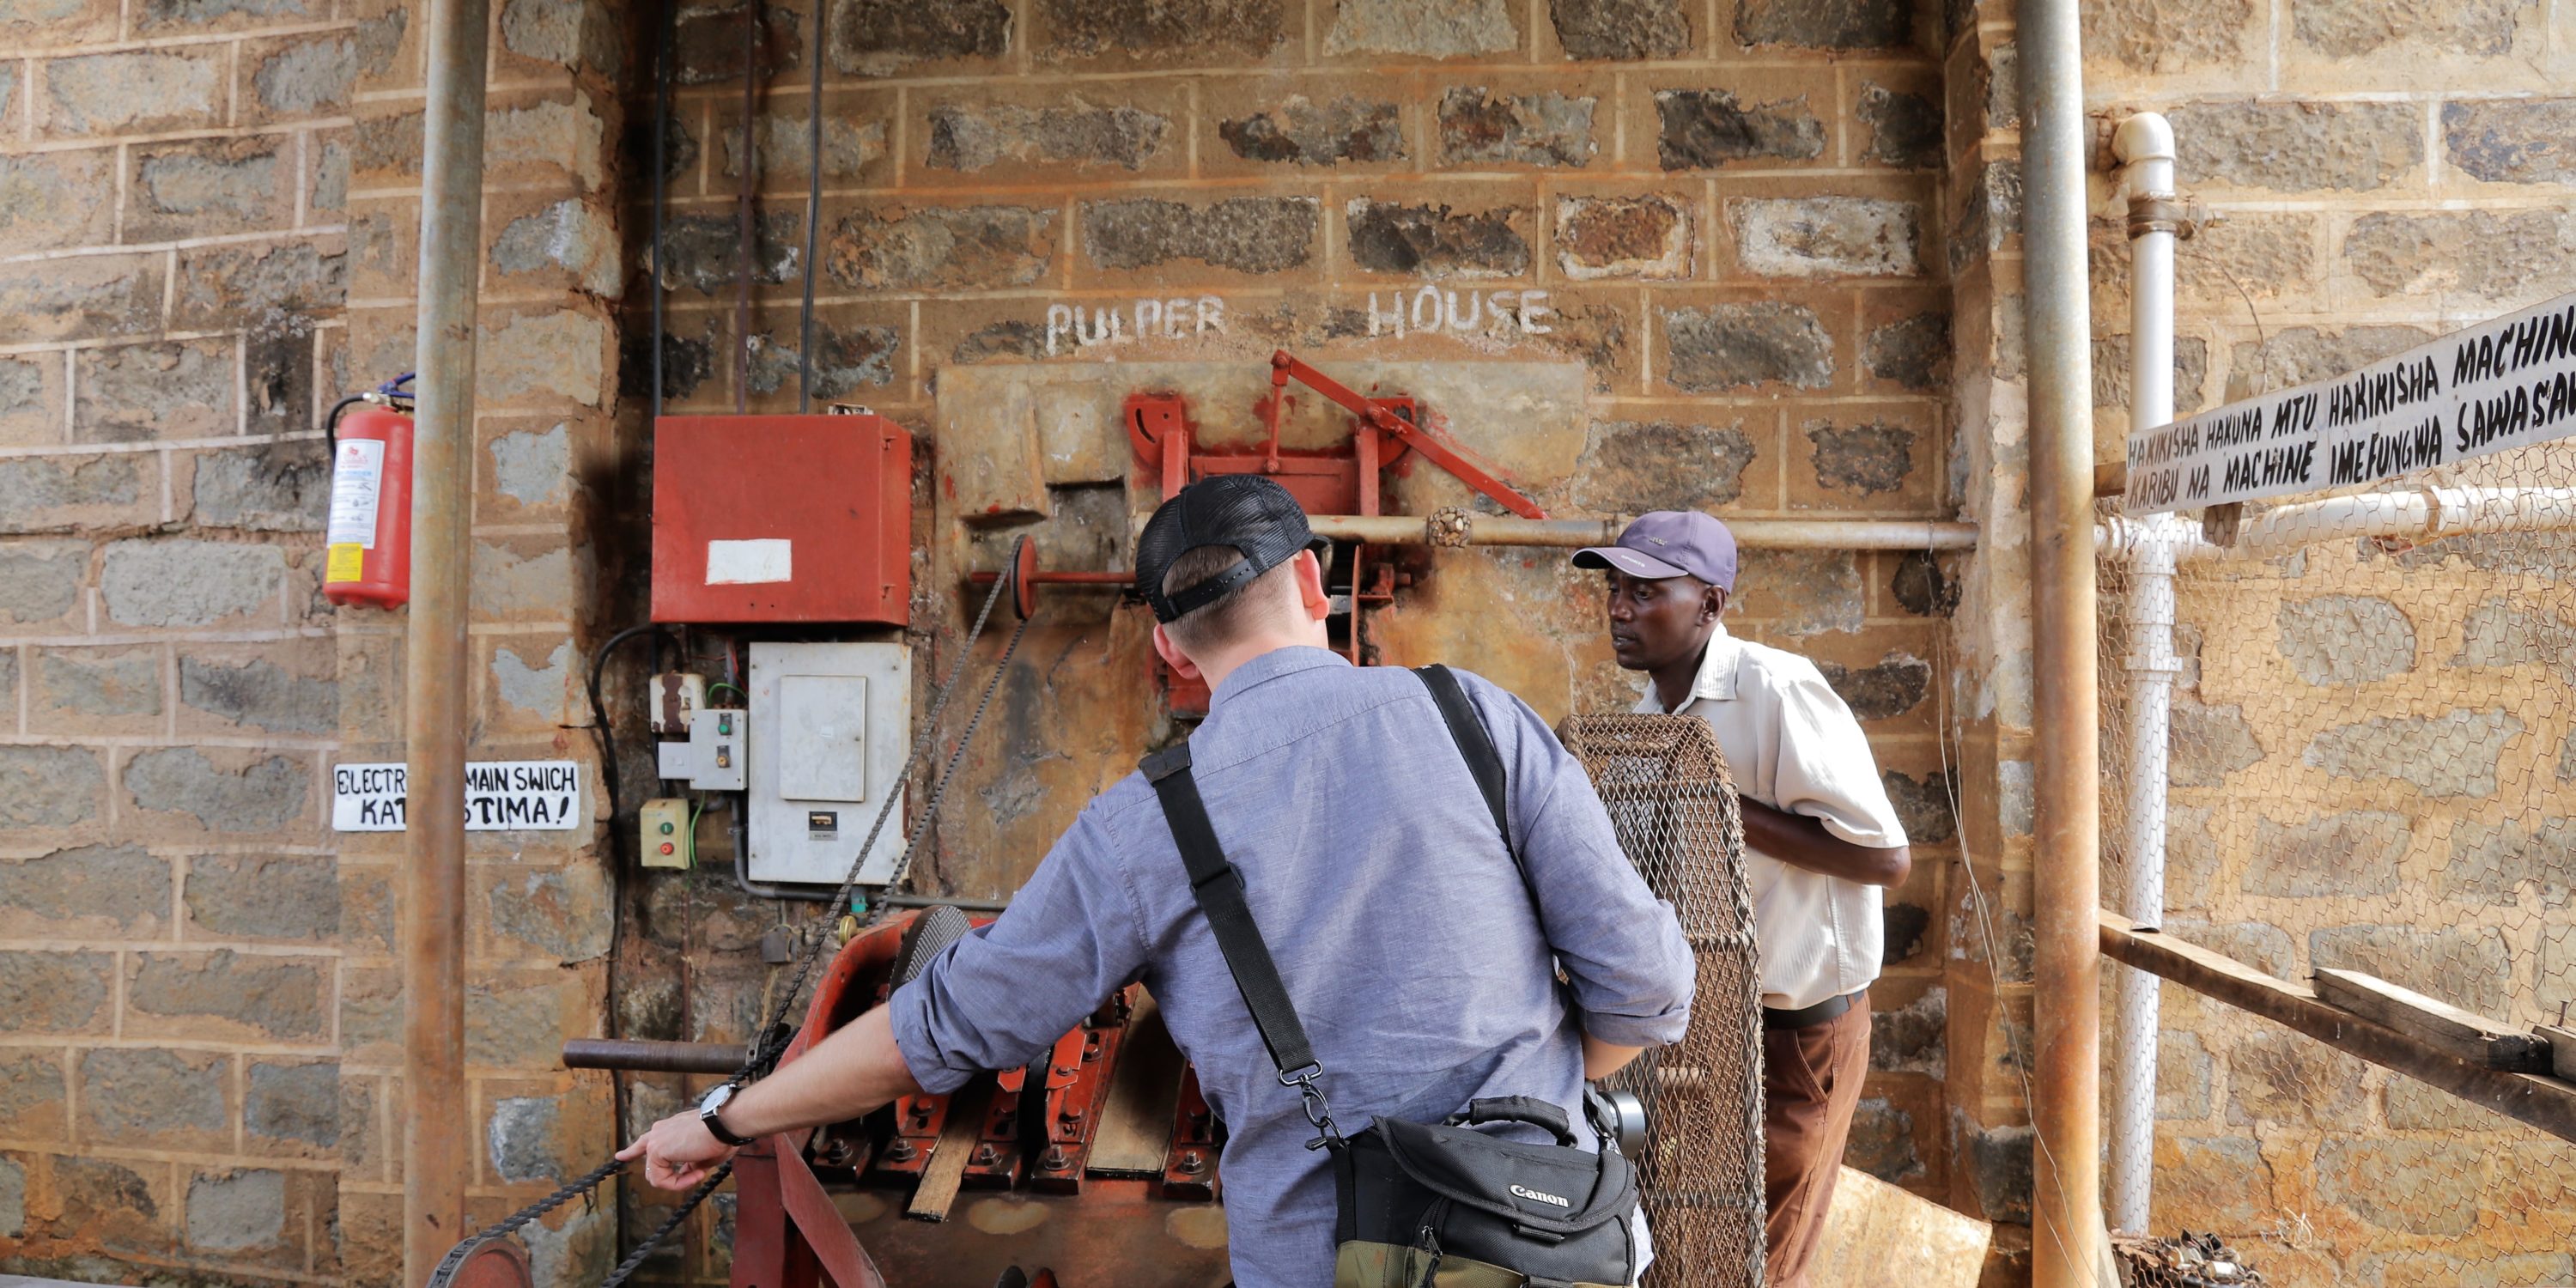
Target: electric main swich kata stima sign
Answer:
[[2508, 383], [500, 796]]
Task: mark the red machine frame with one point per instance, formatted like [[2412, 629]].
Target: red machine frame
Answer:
[[1342, 480], [790, 1233]]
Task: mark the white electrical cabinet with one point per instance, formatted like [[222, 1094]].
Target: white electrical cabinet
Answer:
[[830, 727]]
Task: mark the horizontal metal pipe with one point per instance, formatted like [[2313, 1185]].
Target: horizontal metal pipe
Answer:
[[652, 1057], [2423, 514], [1072, 578], [1459, 528], [936, 900]]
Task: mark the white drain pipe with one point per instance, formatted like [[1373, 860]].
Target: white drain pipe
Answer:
[[2145, 146]]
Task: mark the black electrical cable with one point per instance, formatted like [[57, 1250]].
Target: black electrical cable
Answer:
[[813, 215], [661, 175], [607, 736]]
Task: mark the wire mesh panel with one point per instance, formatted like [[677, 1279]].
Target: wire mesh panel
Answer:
[[1673, 803], [2368, 762]]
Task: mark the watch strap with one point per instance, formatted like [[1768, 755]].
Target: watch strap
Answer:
[[709, 1111]]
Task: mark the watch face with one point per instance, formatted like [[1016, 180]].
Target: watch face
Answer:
[[715, 1100]]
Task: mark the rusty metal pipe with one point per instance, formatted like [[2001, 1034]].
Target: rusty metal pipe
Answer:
[[1454, 527], [653, 1057], [437, 1129], [2067, 1245]]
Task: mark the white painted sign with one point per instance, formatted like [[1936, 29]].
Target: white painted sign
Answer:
[[500, 796], [1453, 312], [750, 563], [2509, 383], [1088, 325]]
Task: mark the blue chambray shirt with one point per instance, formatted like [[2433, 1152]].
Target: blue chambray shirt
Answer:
[[1400, 925]]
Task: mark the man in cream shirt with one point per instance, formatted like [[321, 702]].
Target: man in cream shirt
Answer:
[[1820, 840]]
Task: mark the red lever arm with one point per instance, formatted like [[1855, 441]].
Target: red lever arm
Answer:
[[1471, 471]]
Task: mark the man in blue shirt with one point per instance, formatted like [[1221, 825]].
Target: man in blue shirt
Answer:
[[1423, 964]]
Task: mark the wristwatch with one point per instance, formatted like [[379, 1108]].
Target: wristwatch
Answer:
[[713, 1105]]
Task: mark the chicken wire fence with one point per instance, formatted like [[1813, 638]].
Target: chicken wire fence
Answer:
[[1674, 807], [2369, 763]]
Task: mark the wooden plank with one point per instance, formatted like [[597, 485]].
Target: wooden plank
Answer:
[[1144, 1091], [1876, 1234], [2562, 1049], [2466, 1034], [2545, 1103], [946, 1171]]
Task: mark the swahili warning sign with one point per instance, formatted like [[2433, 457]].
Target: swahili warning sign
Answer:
[[2509, 383], [500, 796]]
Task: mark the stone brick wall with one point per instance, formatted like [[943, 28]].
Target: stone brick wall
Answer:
[[1990, 711], [1724, 223], [207, 215], [173, 181], [545, 552], [2366, 747]]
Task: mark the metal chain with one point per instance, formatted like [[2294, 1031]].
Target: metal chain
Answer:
[[635, 1259], [939, 789], [591, 1180], [755, 1056], [566, 1193]]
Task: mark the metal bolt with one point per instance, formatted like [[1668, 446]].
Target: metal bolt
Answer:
[[1054, 1160], [1072, 1113], [984, 1155], [1190, 1160], [900, 1150]]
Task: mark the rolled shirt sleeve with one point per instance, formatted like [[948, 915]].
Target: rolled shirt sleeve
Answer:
[[1825, 769], [1006, 992], [1622, 948]]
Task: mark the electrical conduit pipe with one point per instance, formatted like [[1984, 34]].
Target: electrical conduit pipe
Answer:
[[438, 1129], [2067, 1245], [2144, 144]]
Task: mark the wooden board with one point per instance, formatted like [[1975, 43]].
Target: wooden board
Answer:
[[2562, 1050], [2466, 1034], [946, 1171], [1144, 1092], [1877, 1234], [2545, 1103]]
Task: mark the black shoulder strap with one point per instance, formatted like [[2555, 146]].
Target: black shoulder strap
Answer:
[[1473, 742], [1218, 887]]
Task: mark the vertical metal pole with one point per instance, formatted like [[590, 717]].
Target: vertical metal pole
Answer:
[[436, 1134], [2144, 144], [2066, 1108]]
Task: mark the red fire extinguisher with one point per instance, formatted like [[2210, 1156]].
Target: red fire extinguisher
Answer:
[[369, 536]]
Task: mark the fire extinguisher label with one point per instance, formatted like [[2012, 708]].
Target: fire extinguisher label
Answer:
[[357, 487], [348, 562]]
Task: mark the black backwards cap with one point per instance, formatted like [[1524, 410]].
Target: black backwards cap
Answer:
[[1247, 512]]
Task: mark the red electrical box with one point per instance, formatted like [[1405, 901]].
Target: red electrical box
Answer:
[[781, 519]]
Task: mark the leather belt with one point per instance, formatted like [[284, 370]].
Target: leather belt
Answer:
[[1809, 1016]]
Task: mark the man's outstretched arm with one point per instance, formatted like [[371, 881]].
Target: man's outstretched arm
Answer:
[[847, 1074]]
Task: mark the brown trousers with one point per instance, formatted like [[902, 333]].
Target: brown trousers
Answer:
[[1811, 1081]]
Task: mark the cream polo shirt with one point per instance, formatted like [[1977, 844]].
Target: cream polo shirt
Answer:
[[1792, 744]]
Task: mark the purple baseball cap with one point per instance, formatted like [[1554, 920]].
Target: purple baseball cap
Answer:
[[1669, 543]]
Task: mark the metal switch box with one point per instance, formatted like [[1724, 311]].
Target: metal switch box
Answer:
[[782, 519], [713, 759], [667, 840], [830, 726]]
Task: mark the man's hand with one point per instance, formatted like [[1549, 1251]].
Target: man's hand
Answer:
[[679, 1151], [846, 1075]]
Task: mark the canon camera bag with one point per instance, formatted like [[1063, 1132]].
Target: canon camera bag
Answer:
[[1423, 1205]]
